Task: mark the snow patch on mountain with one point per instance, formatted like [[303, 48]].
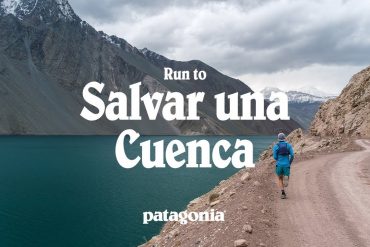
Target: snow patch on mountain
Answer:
[[300, 97], [121, 43], [110, 40], [44, 8], [65, 9], [150, 53], [9, 6], [297, 96], [18, 8], [314, 91], [153, 56]]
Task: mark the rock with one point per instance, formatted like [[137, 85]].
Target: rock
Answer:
[[262, 244], [197, 242], [232, 193], [266, 222], [213, 197], [263, 210], [295, 136], [214, 203], [245, 177], [247, 228], [222, 191], [256, 183], [244, 208], [174, 233], [266, 154], [240, 243]]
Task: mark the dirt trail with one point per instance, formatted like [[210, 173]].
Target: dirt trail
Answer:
[[328, 201]]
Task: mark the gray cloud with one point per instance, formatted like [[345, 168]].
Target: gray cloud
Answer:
[[112, 10], [241, 37]]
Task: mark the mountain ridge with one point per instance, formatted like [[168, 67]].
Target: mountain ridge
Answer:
[[298, 96], [57, 53]]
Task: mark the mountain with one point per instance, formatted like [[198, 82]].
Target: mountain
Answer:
[[298, 96], [348, 114], [302, 106], [314, 91], [48, 54]]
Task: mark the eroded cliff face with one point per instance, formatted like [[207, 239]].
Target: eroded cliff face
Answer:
[[349, 113]]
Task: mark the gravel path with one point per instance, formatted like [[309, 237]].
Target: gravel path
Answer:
[[328, 201]]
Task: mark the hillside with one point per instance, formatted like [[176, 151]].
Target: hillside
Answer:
[[348, 114], [48, 54]]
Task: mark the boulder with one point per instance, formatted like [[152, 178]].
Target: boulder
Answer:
[[240, 243], [247, 228], [245, 177], [214, 203]]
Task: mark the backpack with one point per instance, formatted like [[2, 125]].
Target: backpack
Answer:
[[283, 149]]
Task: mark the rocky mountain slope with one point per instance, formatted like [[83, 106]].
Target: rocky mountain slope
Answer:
[[48, 54], [302, 106], [348, 114]]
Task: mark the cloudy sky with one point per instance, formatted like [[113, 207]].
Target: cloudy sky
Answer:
[[287, 44]]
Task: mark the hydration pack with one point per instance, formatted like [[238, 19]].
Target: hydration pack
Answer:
[[283, 148]]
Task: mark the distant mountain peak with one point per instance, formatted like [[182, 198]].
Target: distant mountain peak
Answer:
[[314, 91], [298, 96], [45, 10]]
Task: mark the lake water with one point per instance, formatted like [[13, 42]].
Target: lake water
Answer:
[[70, 191]]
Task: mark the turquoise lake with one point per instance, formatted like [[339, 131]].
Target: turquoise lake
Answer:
[[71, 191]]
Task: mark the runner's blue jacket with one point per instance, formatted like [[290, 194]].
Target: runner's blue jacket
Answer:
[[283, 160]]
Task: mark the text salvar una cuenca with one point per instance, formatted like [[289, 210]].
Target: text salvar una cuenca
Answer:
[[173, 108]]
